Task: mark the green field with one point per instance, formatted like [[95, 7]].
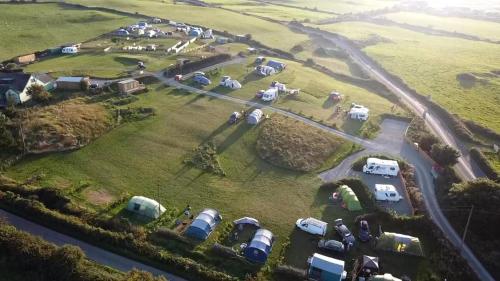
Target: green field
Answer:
[[312, 101], [340, 6], [35, 27], [482, 29], [431, 65]]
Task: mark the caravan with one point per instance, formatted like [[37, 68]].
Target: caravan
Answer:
[[381, 167], [270, 94], [387, 192]]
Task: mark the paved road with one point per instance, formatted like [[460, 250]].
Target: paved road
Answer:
[[465, 167], [94, 253]]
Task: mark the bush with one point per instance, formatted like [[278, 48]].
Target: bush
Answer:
[[478, 129], [223, 251], [297, 48], [484, 164], [444, 155], [289, 273], [38, 93]]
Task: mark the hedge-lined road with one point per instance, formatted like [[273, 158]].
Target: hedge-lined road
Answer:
[[94, 253]]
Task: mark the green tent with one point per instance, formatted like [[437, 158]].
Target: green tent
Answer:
[[349, 198], [400, 243]]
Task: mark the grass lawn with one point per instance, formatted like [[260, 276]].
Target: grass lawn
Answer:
[[494, 159], [35, 27], [483, 29], [431, 65], [268, 33], [315, 88], [340, 6], [276, 12]]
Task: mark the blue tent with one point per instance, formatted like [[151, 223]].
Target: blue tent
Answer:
[[260, 247], [279, 66], [202, 80], [204, 224]]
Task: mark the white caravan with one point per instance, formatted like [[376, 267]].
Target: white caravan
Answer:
[[270, 94], [382, 167], [312, 226], [387, 192]]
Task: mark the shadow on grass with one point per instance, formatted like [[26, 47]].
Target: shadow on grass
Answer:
[[352, 127], [302, 246], [242, 128]]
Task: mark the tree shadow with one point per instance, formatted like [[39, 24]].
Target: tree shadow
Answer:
[[242, 128]]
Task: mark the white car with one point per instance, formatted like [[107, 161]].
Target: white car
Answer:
[[312, 226]]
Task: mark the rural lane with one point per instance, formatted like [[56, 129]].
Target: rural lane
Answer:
[[465, 167], [94, 253]]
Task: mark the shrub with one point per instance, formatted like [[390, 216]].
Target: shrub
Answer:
[[38, 93], [444, 155], [426, 141], [289, 273], [205, 158], [297, 48], [224, 251], [484, 164]]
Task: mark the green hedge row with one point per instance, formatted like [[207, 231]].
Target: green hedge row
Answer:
[[123, 243], [484, 164]]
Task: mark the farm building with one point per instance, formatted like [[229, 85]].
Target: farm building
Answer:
[[46, 80], [129, 86], [278, 66], [70, 50], [145, 207], [230, 83], [399, 243], [25, 59], [255, 117], [70, 83], [14, 87], [359, 112], [204, 224], [323, 268], [260, 247], [349, 198], [385, 277]]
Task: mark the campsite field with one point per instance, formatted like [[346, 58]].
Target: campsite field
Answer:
[[313, 100], [482, 29], [340, 7], [461, 75], [35, 27]]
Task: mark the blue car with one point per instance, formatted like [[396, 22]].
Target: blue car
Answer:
[[202, 80]]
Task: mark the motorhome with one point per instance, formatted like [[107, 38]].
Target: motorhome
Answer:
[[387, 192], [382, 167], [270, 94]]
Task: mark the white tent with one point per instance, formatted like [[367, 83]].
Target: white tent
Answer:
[[145, 206], [247, 220], [230, 83], [255, 117], [359, 112]]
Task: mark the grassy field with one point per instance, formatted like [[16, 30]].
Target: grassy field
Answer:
[[270, 34], [494, 159], [312, 101], [432, 65], [341, 6], [35, 27], [482, 29]]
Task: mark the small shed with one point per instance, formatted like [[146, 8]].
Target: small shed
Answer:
[[145, 206], [323, 268], [399, 243], [25, 59], [203, 225], [129, 86], [70, 83], [349, 198], [279, 66], [255, 117], [260, 246]]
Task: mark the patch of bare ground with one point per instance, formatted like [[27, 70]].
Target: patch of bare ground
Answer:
[[99, 197]]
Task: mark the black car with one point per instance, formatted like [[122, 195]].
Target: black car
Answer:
[[344, 232], [364, 231], [331, 245]]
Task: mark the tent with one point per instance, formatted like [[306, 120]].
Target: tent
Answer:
[[204, 224], [278, 66], [145, 206], [369, 266], [247, 220], [400, 243], [260, 247], [264, 70], [255, 117], [385, 277], [350, 198], [230, 83]]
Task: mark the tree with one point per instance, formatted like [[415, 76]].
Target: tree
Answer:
[[7, 140], [248, 36], [426, 141], [136, 275], [38, 93], [444, 155]]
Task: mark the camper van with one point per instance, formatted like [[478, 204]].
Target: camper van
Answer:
[[387, 192], [270, 94], [312, 226], [382, 167]]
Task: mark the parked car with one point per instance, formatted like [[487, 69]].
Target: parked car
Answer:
[[364, 231], [199, 73], [344, 232], [312, 225], [331, 245], [235, 117]]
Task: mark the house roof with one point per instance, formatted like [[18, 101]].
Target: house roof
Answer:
[[69, 79], [16, 81], [126, 81], [43, 77], [327, 263]]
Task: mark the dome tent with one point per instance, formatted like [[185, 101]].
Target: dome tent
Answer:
[[400, 243], [350, 198], [145, 206], [260, 247], [204, 224]]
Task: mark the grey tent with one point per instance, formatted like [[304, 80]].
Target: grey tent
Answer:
[[145, 206], [255, 117], [247, 220]]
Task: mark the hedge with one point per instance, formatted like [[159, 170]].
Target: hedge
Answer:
[[122, 243], [484, 164]]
